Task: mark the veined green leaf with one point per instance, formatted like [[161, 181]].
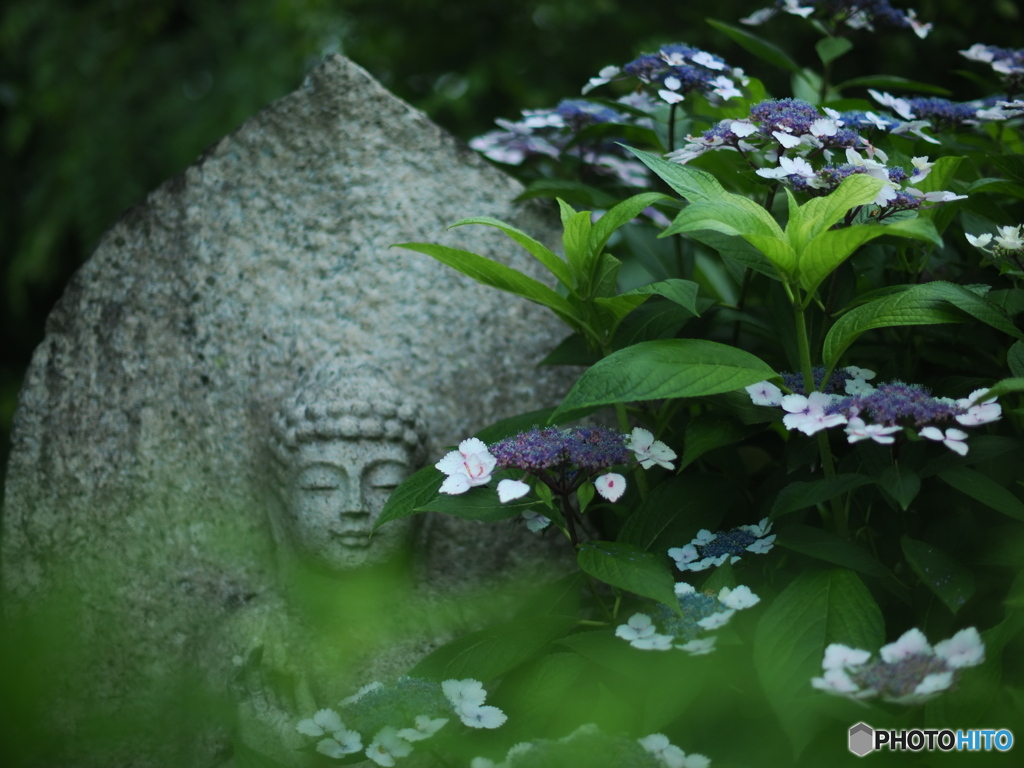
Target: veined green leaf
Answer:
[[630, 568], [693, 184], [665, 368], [682, 292], [832, 247], [925, 304], [496, 275], [620, 306], [620, 214], [542, 253], [476, 504], [1015, 358], [756, 46], [819, 214], [739, 217]]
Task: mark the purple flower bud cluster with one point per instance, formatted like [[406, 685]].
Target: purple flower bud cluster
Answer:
[[790, 115], [836, 382], [896, 403], [695, 606], [590, 449]]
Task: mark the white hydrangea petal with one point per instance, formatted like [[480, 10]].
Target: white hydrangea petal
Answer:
[[308, 727], [512, 489], [699, 647], [739, 598], [838, 656], [329, 720], [483, 717], [610, 486], [964, 649], [911, 643]]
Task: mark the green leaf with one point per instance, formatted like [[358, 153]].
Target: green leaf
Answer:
[[739, 216], [800, 495], [675, 510], [621, 214], [1005, 386], [891, 81], [925, 304], [709, 431], [984, 489], [576, 242], [900, 483], [682, 292], [830, 548], [630, 568], [831, 48], [412, 493], [584, 194], [951, 582], [753, 44], [476, 504], [832, 247], [816, 609], [819, 214], [693, 184], [489, 653], [542, 253], [573, 350], [496, 275], [653, 370], [1015, 359]]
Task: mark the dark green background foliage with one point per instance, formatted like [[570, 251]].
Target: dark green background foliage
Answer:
[[102, 100]]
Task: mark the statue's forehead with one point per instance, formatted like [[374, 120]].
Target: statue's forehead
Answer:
[[349, 454]]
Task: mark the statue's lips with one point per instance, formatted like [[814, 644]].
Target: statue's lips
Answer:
[[352, 538]]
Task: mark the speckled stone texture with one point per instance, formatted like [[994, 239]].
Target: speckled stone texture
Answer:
[[133, 487]]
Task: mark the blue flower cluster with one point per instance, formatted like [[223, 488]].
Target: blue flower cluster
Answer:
[[836, 382], [551, 132], [856, 14]]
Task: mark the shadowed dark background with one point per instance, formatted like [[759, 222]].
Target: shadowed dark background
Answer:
[[102, 100]]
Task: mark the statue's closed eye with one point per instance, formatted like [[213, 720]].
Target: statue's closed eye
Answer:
[[321, 478], [385, 475]]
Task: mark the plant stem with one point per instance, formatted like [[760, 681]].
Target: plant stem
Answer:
[[839, 517]]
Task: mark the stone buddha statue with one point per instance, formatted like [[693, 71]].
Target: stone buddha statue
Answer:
[[338, 446]]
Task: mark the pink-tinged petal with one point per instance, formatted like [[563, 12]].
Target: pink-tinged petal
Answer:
[[611, 486], [512, 489]]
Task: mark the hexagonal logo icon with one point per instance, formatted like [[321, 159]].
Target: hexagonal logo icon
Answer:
[[862, 739]]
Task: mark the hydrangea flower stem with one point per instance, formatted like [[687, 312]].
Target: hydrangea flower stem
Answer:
[[807, 370]]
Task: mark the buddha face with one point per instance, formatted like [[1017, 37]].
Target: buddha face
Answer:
[[337, 493]]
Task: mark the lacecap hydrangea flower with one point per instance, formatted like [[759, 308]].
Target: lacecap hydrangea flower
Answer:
[[673, 72], [398, 716], [856, 14], [709, 550], [875, 413], [701, 613], [909, 671], [562, 459]]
